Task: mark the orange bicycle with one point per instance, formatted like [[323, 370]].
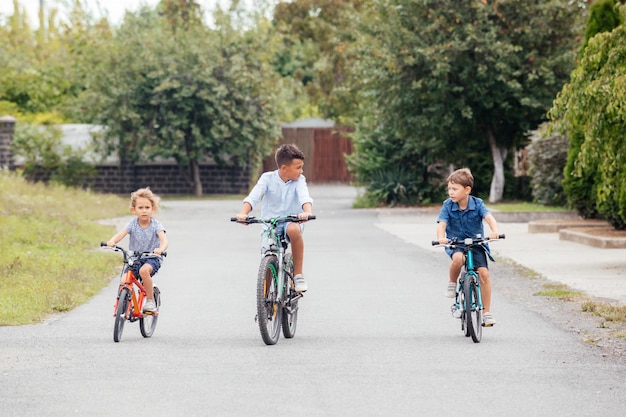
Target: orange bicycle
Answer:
[[131, 295]]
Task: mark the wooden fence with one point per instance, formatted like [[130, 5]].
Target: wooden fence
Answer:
[[325, 149]]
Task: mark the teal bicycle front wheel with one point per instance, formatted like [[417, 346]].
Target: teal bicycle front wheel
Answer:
[[269, 311], [473, 311]]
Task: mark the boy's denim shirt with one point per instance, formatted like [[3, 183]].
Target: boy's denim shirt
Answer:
[[463, 223]]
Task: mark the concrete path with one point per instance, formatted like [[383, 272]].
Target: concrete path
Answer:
[[597, 272]]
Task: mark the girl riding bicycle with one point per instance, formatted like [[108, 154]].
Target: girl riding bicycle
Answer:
[[462, 217], [146, 234]]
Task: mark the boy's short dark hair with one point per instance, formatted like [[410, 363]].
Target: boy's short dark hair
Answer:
[[462, 177], [285, 154]]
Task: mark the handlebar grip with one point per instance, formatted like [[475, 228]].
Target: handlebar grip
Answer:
[[103, 243], [233, 219], [434, 242], [312, 217], [501, 236]]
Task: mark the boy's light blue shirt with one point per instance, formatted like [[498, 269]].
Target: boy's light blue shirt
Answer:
[[280, 198]]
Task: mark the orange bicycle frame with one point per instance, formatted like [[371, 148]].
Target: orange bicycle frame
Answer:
[[136, 298]]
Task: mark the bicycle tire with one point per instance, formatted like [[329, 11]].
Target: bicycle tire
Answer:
[[463, 307], [269, 311], [290, 311], [123, 300], [473, 312], [148, 322]]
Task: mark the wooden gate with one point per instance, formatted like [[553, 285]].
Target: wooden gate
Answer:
[[324, 148]]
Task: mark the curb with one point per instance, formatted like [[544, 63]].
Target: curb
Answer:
[[580, 235]]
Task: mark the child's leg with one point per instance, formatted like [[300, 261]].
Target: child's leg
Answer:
[[485, 287], [145, 272], [297, 247], [458, 259]]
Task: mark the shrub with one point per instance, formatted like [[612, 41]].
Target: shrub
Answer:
[[46, 159], [547, 156]]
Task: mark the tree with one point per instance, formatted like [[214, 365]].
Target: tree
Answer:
[[167, 86], [591, 109], [440, 76], [319, 51], [580, 186]]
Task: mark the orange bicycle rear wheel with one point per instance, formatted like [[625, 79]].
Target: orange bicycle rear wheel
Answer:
[[147, 323]]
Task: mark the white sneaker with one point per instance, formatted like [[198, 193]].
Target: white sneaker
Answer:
[[300, 283], [488, 320], [451, 290], [149, 307]]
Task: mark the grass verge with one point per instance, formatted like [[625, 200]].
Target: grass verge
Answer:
[[49, 234]]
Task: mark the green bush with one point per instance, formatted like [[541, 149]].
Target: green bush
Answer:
[[547, 156], [46, 159]]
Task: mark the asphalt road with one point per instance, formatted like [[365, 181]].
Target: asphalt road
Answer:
[[374, 338]]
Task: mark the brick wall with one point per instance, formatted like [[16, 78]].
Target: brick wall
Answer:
[[165, 178], [7, 127], [172, 179]]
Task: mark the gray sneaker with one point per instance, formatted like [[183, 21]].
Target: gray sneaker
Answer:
[[149, 307], [300, 283]]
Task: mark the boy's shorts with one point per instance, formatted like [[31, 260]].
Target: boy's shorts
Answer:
[[281, 231], [154, 261], [480, 257]]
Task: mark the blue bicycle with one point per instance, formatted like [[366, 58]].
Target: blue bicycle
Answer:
[[468, 303]]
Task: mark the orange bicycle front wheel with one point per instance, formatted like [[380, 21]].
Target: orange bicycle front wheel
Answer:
[[123, 304]]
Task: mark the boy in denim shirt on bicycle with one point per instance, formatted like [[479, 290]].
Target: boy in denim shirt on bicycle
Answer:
[[284, 192], [462, 217], [147, 234]]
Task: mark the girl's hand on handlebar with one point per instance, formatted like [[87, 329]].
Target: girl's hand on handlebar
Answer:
[[494, 236], [443, 241]]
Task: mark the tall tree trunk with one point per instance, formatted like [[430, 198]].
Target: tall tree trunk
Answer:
[[195, 174], [498, 155]]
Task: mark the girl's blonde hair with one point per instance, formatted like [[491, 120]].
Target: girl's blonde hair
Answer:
[[145, 193]]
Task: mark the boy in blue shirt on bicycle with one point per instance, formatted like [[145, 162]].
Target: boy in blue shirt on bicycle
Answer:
[[284, 192], [462, 217]]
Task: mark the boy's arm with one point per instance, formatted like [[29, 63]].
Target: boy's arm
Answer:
[[243, 213], [441, 232], [307, 210], [117, 237], [162, 242], [493, 226]]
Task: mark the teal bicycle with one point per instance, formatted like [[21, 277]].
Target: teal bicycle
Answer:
[[276, 297], [468, 302]]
